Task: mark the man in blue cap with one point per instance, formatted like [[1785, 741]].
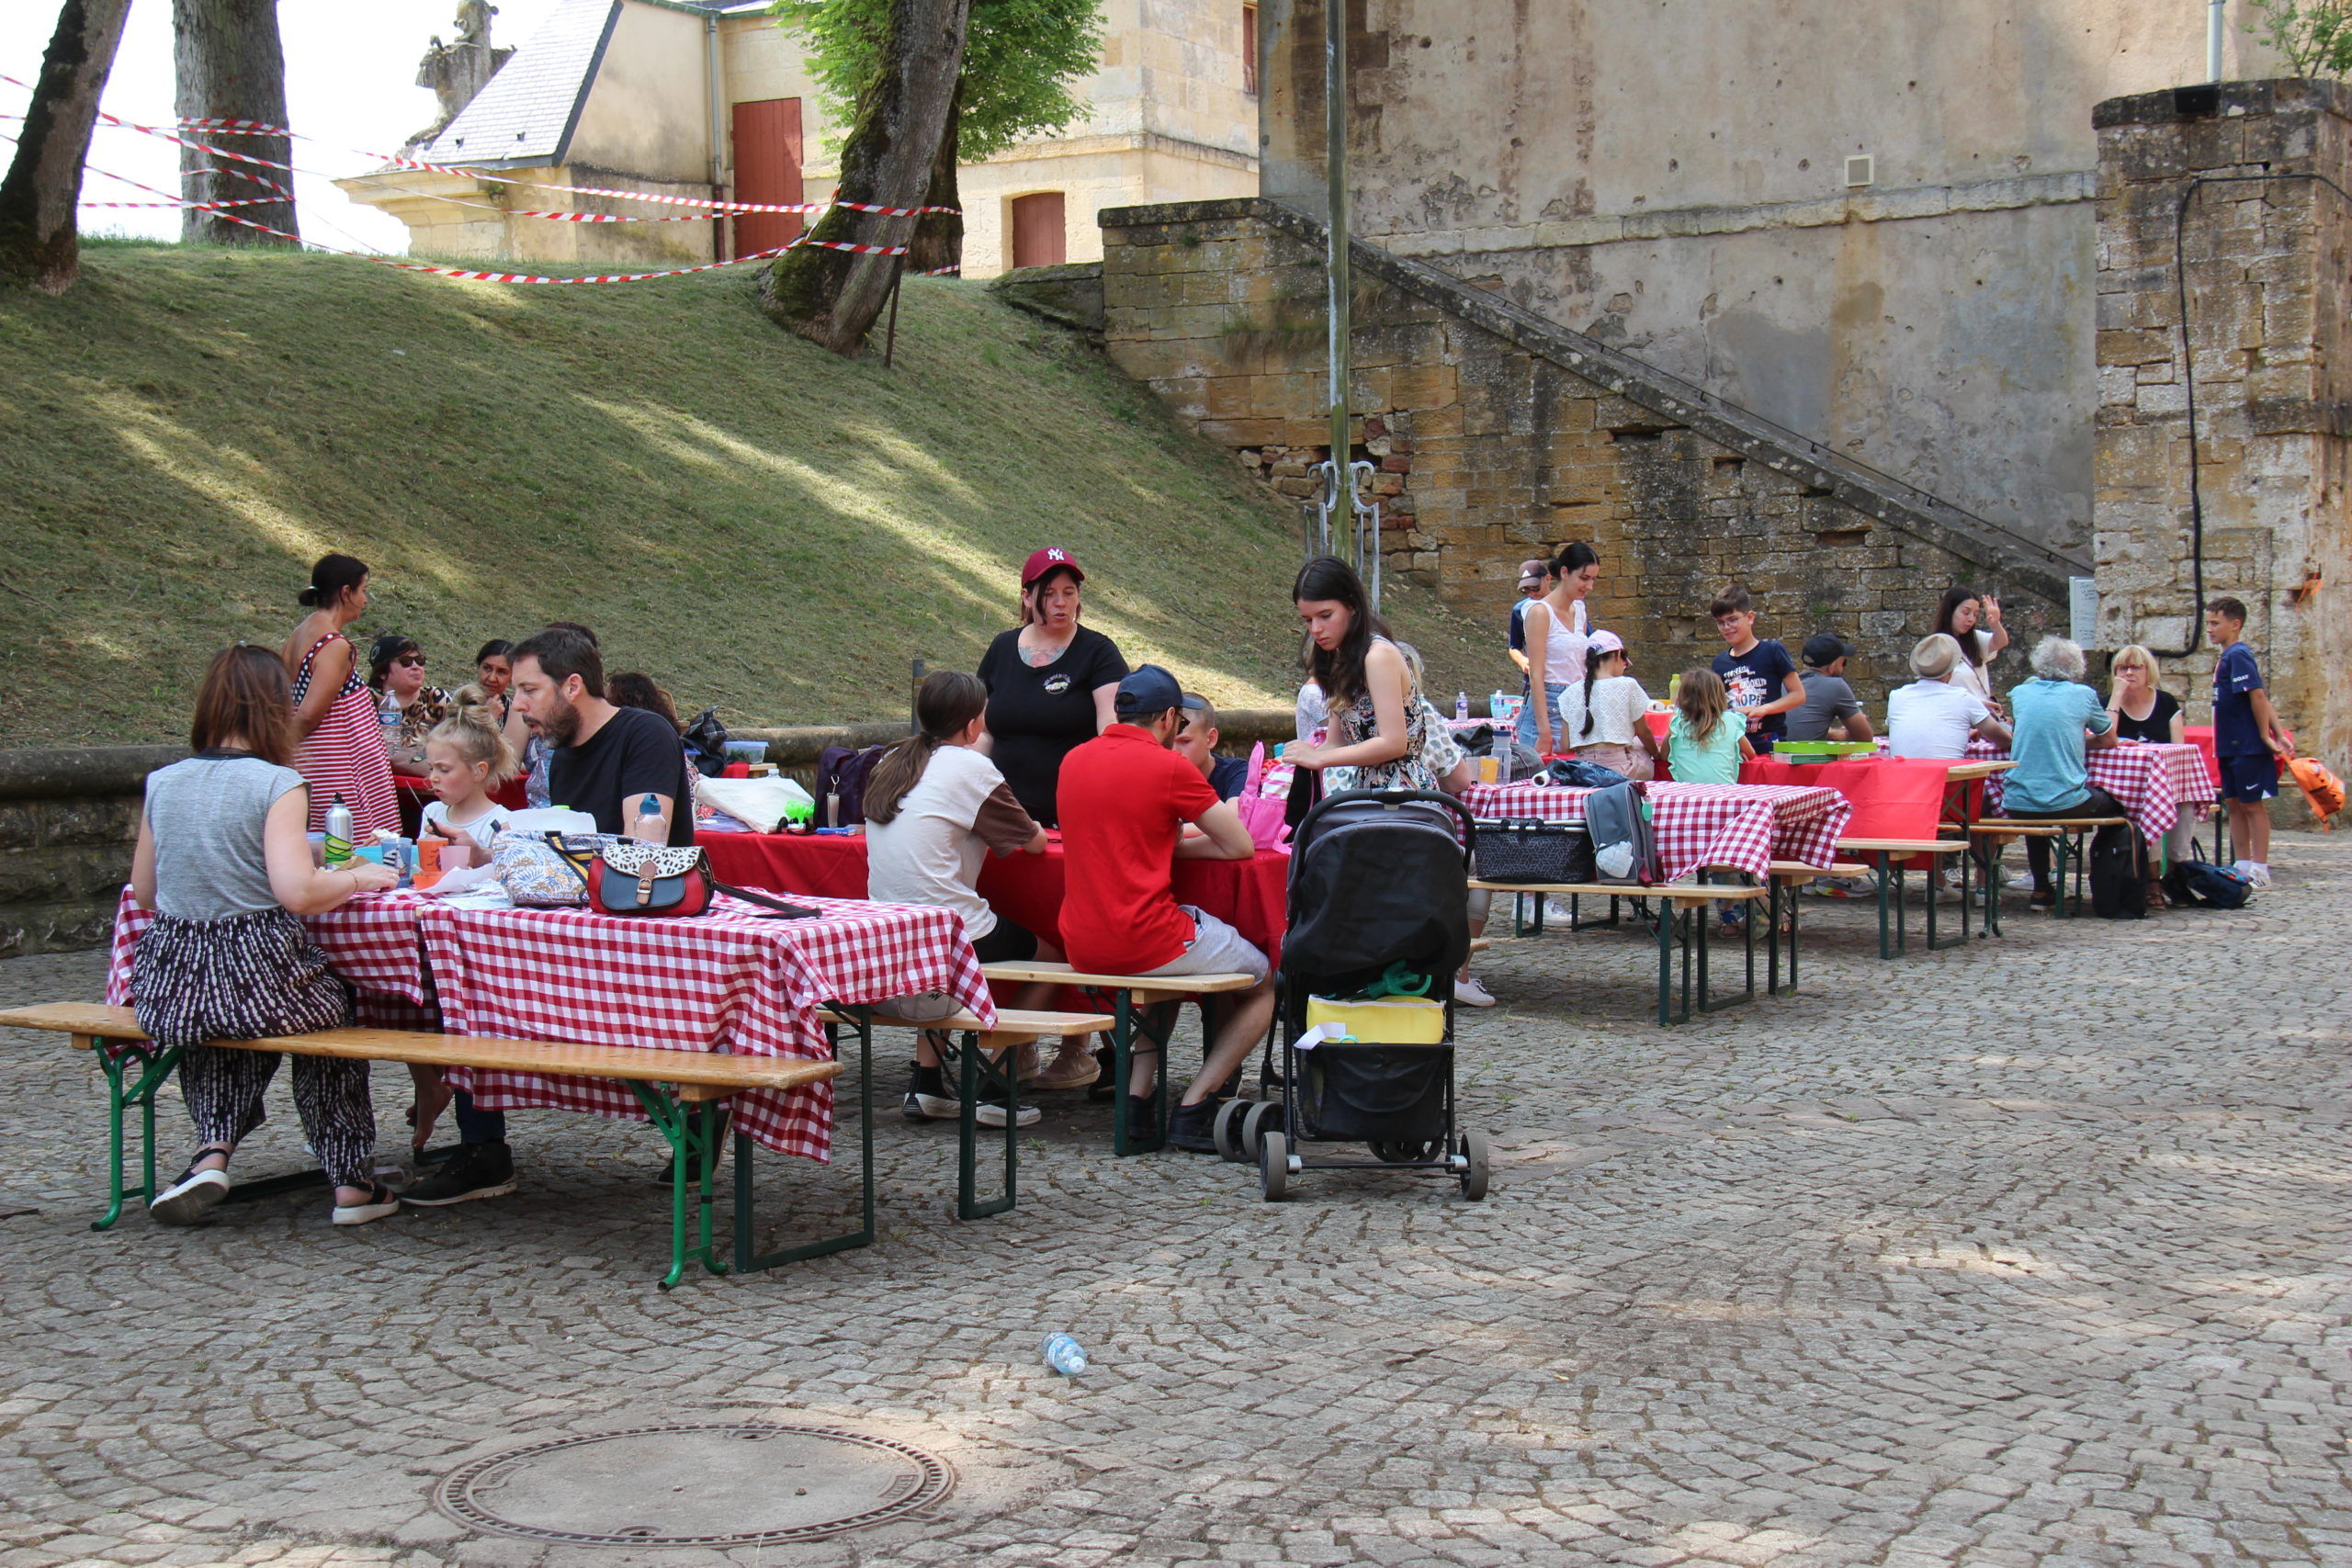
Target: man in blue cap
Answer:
[[1126, 797]]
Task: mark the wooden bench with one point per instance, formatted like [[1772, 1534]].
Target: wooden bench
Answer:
[[1888, 858], [1787, 877], [679, 1089], [1014, 1029], [1683, 914], [1138, 1013]]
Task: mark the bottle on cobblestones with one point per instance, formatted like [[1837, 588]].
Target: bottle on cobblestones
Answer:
[[1064, 1355]]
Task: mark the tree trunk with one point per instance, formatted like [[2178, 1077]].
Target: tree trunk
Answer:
[[40, 241], [832, 297], [230, 65], [939, 236]]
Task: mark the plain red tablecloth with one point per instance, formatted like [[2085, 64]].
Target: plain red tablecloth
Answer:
[[1247, 894], [1892, 798]]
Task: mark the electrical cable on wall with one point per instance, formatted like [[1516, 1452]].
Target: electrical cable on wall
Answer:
[[2189, 380]]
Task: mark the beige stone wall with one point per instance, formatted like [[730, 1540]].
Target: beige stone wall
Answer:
[[649, 110], [1488, 454], [450, 218], [1671, 177], [2269, 336]]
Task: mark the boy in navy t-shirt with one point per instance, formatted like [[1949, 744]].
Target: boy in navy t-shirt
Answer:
[[2248, 740], [1759, 677]]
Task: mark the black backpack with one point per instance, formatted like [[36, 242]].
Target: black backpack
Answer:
[[2199, 882], [842, 772], [2119, 874]]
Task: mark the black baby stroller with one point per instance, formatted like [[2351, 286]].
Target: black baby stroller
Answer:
[[1378, 895]]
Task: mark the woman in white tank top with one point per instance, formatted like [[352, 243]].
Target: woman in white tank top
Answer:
[[1556, 637]]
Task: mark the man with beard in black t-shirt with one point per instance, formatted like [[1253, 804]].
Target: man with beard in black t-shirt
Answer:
[[607, 761]]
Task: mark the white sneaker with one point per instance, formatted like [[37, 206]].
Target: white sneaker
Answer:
[[1469, 993], [944, 1108], [2021, 883], [2257, 874], [190, 1199], [1555, 911]]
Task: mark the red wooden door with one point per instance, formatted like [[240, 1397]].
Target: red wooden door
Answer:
[[1037, 230], [768, 168]]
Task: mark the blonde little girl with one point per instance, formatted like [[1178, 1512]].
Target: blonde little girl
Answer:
[[466, 756], [1701, 748]]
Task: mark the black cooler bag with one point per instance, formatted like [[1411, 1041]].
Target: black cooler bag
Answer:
[[1351, 1093], [1524, 850]]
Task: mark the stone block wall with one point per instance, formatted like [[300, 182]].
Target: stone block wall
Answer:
[[69, 819], [2270, 339], [1497, 440]]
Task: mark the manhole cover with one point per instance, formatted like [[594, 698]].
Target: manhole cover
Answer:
[[732, 1486]]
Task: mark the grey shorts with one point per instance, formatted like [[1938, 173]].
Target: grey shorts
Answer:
[[1217, 949]]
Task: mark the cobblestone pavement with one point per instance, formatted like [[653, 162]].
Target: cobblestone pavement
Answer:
[[2028, 1253]]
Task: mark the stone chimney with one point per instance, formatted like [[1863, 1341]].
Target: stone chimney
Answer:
[[2239, 172]]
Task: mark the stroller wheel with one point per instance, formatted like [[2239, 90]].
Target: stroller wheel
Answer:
[[1474, 1166], [1226, 1128], [1413, 1152], [1261, 1118], [1273, 1167]]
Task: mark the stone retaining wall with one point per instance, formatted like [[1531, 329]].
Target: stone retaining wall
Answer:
[[69, 819], [1498, 436]]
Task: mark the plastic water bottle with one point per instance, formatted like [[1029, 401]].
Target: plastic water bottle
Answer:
[[387, 715], [649, 828], [1065, 1354], [1462, 704], [337, 849]]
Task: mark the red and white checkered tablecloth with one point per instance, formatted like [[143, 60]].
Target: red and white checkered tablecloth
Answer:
[[725, 981], [1743, 827], [371, 941], [2151, 782]]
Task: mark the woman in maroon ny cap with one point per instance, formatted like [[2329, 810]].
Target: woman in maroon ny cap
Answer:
[[1050, 684]]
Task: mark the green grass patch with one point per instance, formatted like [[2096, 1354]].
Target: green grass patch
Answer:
[[752, 521]]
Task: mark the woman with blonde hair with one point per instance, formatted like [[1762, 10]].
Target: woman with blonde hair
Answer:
[[2145, 712]]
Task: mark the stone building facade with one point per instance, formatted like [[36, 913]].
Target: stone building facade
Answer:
[[1872, 224], [2265, 236], [1498, 435]]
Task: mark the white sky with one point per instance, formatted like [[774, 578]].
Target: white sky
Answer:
[[350, 82]]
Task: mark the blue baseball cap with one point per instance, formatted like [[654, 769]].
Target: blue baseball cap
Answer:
[[1147, 688]]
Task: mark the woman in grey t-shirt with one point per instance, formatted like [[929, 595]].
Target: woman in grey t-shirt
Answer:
[[224, 862]]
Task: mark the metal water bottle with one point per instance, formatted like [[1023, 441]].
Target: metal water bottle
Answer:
[[337, 849]]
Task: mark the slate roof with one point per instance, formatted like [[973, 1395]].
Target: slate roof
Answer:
[[527, 114]]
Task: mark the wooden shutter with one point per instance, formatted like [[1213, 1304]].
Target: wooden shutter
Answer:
[[768, 168], [1037, 232]]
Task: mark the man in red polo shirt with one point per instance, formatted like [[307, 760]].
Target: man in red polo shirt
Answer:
[[1124, 798]]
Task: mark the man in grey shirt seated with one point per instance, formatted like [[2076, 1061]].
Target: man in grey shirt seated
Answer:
[[1830, 711]]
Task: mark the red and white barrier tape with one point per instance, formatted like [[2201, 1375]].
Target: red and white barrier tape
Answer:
[[711, 207], [472, 276]]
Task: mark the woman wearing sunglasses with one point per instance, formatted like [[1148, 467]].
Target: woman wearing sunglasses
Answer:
[[396, 674]]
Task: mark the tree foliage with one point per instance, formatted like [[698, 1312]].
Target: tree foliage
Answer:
[[2315, 37], [1019, 61]]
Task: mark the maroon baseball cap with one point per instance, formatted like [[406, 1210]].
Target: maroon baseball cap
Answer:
[[1043, 561]]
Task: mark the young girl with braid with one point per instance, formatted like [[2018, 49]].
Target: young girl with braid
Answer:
[[1604, 717], [935, 807]]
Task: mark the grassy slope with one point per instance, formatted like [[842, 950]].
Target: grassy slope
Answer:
[[752, 521]]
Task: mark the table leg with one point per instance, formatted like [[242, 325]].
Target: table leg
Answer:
[[155, 1066], [969, 1206], [1666, 919], [1885, 879], [746, 1260]]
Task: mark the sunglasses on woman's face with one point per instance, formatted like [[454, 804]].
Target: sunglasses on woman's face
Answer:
[[413, 661]]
